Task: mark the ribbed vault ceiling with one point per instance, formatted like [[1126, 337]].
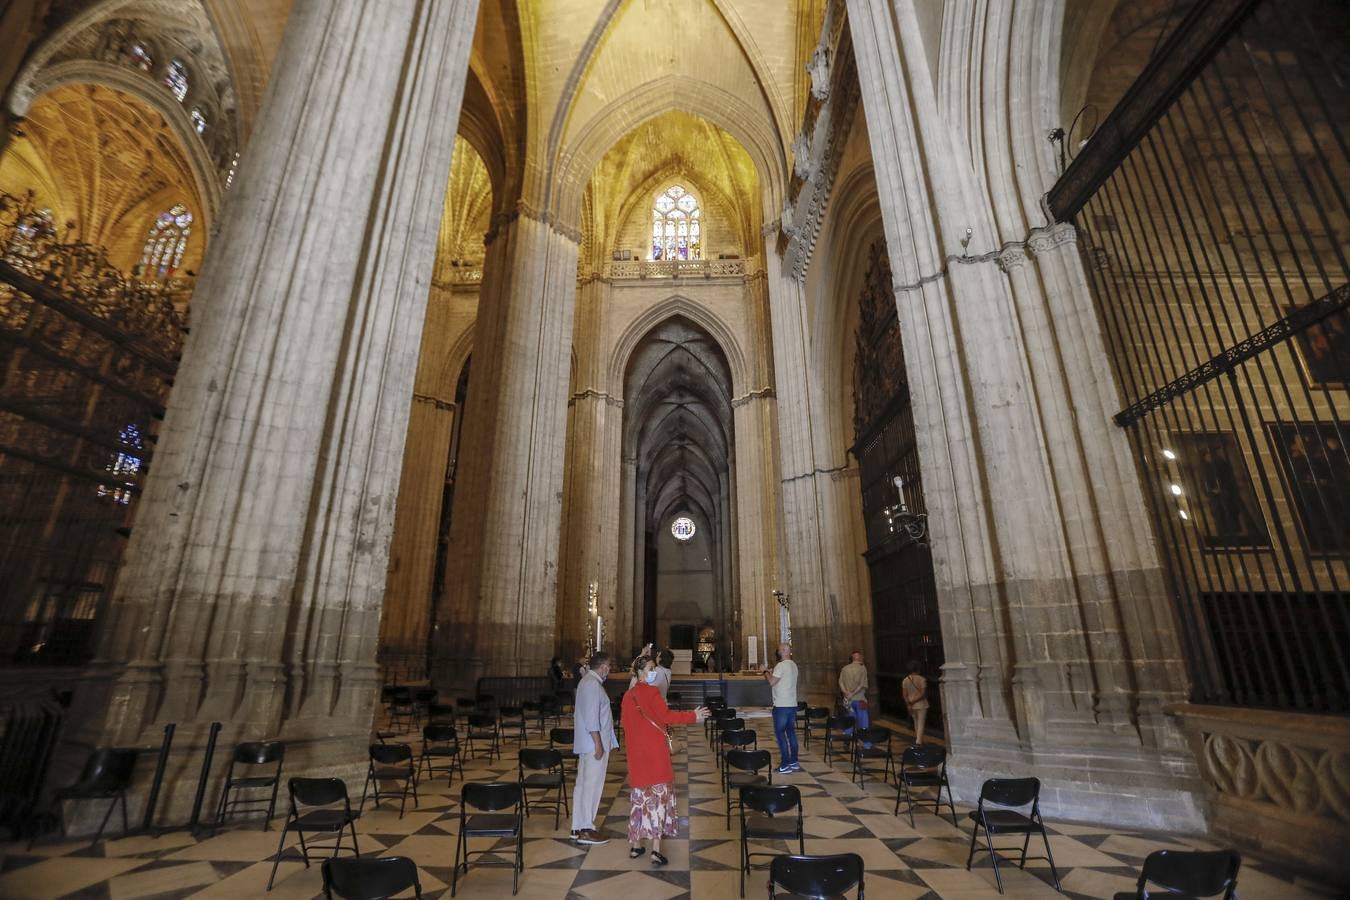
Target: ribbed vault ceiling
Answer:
[[677, 420]]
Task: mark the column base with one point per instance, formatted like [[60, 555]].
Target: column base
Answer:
[[1127, 788]]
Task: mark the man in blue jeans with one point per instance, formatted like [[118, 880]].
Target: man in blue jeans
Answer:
[[853, 688], [783, 683]]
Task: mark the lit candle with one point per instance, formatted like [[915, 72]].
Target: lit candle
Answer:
[[899, 483]]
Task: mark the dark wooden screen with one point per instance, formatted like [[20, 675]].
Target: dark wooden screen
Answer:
[[904, 596]]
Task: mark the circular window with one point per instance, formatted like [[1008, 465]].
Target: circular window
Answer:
[[682, 529]]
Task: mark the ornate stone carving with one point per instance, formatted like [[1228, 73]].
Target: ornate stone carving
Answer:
[[819, 70], [879, 363]]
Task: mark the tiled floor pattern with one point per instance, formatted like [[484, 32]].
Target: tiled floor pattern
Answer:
[[902, 862]]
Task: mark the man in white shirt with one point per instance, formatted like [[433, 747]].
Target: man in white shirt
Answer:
[[663, 672], [783, 682], [593, 738]]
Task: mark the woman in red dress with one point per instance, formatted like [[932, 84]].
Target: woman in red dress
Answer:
[[646, 729]]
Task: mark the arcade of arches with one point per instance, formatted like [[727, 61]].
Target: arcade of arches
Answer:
[[1007, 338]]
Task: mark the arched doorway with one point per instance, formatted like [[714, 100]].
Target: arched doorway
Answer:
[[678, 430]]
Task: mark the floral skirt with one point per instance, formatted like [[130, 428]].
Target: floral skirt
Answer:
[[654, 813]]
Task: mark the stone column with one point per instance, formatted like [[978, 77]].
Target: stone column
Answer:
[[1035, 680], [405, 627], [591, 506], [756, 487], [252, 584], [498, 614]]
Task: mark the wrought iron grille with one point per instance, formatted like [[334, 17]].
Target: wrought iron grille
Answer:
[[1212, 211], [87, 358], [905, 620]]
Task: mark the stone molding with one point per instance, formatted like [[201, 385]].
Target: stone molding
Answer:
[[674, 268], [592, 394], [524, 210], [751, 396], [1267, 767], [819, 145], [1040, 241], [437, 402]]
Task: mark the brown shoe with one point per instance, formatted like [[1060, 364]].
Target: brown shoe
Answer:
[[590, 837]]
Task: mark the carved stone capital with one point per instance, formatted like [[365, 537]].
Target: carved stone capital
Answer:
[[1052, 238], [1012, 258]]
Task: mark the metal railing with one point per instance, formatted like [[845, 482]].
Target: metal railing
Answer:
[[1212, 213]]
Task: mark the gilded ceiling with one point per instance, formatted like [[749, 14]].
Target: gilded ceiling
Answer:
[[105, 161]]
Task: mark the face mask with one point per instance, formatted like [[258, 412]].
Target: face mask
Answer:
[[602, 674], [651, 677]]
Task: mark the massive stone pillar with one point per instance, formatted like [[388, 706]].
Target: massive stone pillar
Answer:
[[497, 617], [591, 541], [252, 585], [1022, 480], [755, 490], [405, 627]]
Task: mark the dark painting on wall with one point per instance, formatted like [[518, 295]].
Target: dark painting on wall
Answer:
[[1316, 472], [1326, 350], [1223, 500]]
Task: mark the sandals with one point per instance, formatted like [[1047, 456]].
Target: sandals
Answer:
[[658, 859], [635, 852]]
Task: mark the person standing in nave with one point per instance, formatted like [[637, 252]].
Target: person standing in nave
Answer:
[[651, 776], [783, 683], [593, 738], [914, 689], [853, 688]]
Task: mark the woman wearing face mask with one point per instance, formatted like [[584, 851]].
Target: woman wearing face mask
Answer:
[[646, 726]]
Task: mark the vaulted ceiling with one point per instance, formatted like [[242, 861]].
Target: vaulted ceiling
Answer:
[[677, 420]]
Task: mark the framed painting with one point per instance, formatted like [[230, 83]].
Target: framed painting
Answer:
[[1222, 498], [1325, 348], [1316, 472]]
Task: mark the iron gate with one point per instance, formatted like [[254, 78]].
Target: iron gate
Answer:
[[1212, 214]]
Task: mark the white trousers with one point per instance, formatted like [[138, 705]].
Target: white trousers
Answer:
[[589, 789]]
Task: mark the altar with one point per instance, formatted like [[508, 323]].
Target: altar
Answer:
[[738, 690]]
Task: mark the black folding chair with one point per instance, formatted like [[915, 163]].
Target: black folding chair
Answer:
[[816, 717], [441, 714], [391, 762], [880, 740], [738, 739], [725, 727], [423, 699], [370, 879], [464, 707], [923, 766], [483, 730], [511, 721], [550, 710], [816, 877], [762, 807], [440, 743], [802, 709], [106, 776], [741, 769], [1010, 794], [839, 731], [562, 740], [325, 817], [402, 712], [493, 822], [251, 755], [547, 776], [713, 724], [1191, 873]]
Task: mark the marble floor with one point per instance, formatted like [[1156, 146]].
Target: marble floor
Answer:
[[902, 862]]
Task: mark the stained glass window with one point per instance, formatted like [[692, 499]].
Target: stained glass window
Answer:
[[677, 231], [166, 243], [125, 464], [138, 57], [199, 121], [176, 79]]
